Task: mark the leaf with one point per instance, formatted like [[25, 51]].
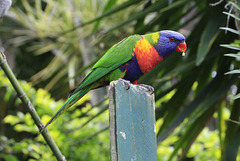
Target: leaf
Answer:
[[234, 72], [191, 133], [11, 119], [208, 37], [232, 139], [172, 107], [234, 47], [221, 124], [235, 5], [90, 137], [89, 120], [194, 104], [107, 7], [153, 8], [230, 30], [108, 13], [232, 15], [237, 96], [233, 55]]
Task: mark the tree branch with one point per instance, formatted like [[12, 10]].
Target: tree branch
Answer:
[[27, 103]]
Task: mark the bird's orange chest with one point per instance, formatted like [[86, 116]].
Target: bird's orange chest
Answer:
[[147, 56]]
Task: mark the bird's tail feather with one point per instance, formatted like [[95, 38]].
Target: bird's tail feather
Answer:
[[71, 100]]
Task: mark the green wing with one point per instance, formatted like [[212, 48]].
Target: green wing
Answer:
[[112, 59]]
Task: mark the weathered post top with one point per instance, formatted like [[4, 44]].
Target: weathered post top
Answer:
[[132, 123]]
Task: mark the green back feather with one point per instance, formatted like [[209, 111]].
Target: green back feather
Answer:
[[111, 60]]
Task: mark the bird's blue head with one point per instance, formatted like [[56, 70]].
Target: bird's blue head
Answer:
[[170, 41]]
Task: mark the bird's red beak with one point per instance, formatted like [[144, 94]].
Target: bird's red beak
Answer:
[[181, 47]]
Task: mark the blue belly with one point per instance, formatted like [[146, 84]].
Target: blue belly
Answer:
[[133, 71]]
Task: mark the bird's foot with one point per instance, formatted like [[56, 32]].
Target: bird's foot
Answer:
[[149, 88], [126, 82]]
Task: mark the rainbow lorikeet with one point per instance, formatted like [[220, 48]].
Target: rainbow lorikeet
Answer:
[[129, 59]]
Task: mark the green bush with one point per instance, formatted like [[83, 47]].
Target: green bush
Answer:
[[23, 141]]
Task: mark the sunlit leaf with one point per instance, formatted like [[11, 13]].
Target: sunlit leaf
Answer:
[[230, 46], [235, 5], [230, 30], [233, 72], [233, 55], [237, 96], [232, 15]]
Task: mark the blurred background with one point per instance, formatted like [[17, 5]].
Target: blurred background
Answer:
[[50, 45]]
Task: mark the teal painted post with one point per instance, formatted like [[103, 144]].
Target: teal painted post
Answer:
[[132, 123]]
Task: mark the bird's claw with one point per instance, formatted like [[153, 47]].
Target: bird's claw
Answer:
[[149, 88], [126, 82]]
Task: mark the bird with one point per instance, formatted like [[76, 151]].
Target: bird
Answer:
[[127, 61]]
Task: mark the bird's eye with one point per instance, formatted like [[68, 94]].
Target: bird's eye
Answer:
[[172, 39]]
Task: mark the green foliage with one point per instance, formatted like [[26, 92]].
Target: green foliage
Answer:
[[69, 140], [39, 31], [193, 94], [236, 44], [206, 147], [27, 144]]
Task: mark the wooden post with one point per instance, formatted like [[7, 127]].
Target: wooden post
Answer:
[[132, 123]]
